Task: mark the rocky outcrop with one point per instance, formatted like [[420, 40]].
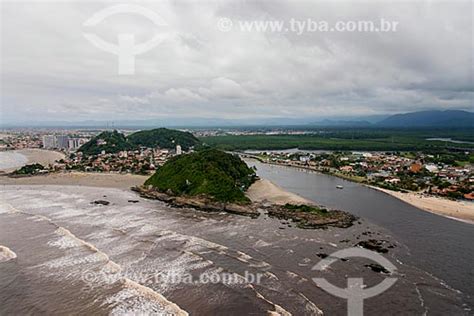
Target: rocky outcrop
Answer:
[[333, 218], [303, 219], [198, 202]]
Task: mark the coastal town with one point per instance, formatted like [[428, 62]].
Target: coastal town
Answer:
[[141, 161], [449, 175]]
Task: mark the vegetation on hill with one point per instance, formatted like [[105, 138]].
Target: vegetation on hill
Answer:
[[163, 138], [110, 142], [113, 142], [211, 173], [29, 169]]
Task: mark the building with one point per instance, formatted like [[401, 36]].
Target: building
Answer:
[[74, 143], [178, 150], [49, 141], [416, 167], [304, 158], [62, 141], [346, 168], [53, 141]]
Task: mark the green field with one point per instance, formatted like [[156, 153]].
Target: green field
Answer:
[[349, 139]]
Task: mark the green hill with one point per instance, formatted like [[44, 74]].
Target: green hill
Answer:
[[110, 142], [113, 142], [163, 138], [215, 174]]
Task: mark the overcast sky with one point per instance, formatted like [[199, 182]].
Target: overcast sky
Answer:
[[50, 71]]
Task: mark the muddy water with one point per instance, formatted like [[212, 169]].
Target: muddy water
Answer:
[[441, 246], [128, 257]]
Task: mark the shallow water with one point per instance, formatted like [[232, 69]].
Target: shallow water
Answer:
[[76, 257], [440, 245], [11, 160]]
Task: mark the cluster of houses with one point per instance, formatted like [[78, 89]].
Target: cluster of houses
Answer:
[[415, 172], [20, 140], [142, 161]]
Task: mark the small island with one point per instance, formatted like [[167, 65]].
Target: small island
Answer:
[[212, 180]]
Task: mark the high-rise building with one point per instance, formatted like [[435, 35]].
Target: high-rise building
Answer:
[[62, 141], [178, 150], [74, 143], [52, 141], [49, 141]]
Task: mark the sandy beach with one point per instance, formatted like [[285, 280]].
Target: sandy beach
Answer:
[[265, 191], [261, 191], [458, 210], [463, 211], [41, 156], [106, 180]]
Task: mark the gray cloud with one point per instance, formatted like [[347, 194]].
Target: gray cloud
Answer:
[[51, 72]]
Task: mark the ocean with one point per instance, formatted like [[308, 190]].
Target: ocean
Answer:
[[136, 256]]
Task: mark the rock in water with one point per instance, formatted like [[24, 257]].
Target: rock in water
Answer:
[[100, 202]]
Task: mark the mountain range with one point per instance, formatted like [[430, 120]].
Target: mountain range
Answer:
[[449, 118], [420, 119]]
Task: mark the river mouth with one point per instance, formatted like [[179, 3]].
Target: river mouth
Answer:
[[65, 245], [433, 242]]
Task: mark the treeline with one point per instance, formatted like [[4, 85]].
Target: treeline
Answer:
[[343, 140]]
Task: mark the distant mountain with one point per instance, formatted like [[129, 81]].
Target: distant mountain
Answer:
[[449, 118], [342, 123], [163, 138], [110, 142]]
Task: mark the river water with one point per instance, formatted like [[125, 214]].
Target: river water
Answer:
[[441, 246], [66, 255]]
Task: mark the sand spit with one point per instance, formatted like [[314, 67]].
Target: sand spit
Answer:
[[265, 191], [463, 211]]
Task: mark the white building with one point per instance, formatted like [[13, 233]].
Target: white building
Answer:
[[75, 143], [53, 141], [178, 150], [432, 168], [304, 158], [49, 141]]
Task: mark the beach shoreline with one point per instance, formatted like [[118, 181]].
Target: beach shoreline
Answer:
[[457, 210], [33, 155], [261, 191], [264, 190], [90, 179]]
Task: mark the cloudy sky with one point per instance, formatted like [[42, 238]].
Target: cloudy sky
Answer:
[[204, 68]]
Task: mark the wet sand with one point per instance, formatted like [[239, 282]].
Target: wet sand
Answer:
[[105, 180], [261, 191], [41, 156], [265, 191], [463, 211]]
